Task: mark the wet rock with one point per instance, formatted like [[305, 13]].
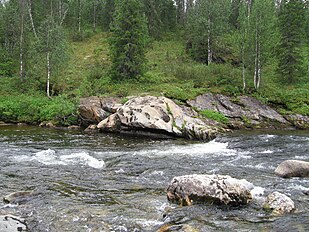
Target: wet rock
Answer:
[[74, 127], [21, 124], [10, 223], [17, 197], [299, 121], [293, 168], [217, 189], [92, 110], [243, 111], [159, 115], [279, 204], [47, 124], [91, 128]]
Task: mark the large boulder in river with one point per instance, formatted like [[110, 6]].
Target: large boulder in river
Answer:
[[11, 223], [158, 115], [93, 110], [279, 204], [217, 189], [293, 168], [243, 111]]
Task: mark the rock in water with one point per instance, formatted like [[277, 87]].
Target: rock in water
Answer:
[[158, 115], [10, 223], [217, 189], [279, 203], [293, 168]]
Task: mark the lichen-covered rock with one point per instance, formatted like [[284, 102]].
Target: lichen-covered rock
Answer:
[[293, 168], [158, 115], [11, 223], [217, 189], [243, 111], [299, 121], [93, 110], [279, 204]]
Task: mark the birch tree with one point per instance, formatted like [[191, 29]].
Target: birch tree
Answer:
[[208, 20]]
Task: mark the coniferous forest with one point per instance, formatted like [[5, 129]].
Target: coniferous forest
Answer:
[[53, 52]]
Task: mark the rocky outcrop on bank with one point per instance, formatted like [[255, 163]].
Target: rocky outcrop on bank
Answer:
[[93, 110], [213, 189], [242, 112], [293, 168], [162, 116], [159, 115]]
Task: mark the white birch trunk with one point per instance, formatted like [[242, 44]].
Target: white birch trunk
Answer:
[[79, 15], [48, 74], [209, 51], [31, 19], [94, 16], [21, 44], [243, 70]]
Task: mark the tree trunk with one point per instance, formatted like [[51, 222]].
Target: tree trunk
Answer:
[[79, 15], [21, 42], [48, 65], [31, 19], [48, 74], [243, 68], [209, 51], [94, 15]]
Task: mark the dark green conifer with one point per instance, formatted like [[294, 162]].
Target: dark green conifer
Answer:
[[128, 42], [291, 26]]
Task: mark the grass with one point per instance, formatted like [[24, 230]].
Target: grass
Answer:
[[171, 73]]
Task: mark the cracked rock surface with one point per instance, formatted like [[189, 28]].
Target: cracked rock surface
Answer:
[[158, 115], [213, 189]]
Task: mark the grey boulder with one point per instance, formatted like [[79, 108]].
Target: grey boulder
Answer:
[[278, 204], [158, 115], [214, 189], [293, 168]]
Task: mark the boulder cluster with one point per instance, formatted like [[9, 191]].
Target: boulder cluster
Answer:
[[226, 190]]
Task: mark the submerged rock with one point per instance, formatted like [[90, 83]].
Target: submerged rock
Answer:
[[217, 189], [158, 115], [293, 168], [10, 223], [279, 204]]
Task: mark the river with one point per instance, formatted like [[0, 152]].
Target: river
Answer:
[[106, 182]]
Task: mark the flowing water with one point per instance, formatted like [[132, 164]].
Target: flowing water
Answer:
[[104, 182]]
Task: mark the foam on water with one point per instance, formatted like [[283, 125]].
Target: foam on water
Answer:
[[267, 152], [211, 148], [49, 157]]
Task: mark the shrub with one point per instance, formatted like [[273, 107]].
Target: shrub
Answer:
[[214, 115]]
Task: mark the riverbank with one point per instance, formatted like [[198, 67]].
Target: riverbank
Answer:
[[215, 111], [171, 73]]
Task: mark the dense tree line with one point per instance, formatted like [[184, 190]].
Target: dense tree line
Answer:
[[249, 34]]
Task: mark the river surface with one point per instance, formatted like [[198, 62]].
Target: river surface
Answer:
[[104, 182]]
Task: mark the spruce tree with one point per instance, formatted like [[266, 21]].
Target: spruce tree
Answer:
[[291, 26], [128, 41]]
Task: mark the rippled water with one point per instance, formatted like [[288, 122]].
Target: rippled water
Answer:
[[104, 182]]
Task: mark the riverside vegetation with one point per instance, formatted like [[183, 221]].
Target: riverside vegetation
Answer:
[[174, 65]]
